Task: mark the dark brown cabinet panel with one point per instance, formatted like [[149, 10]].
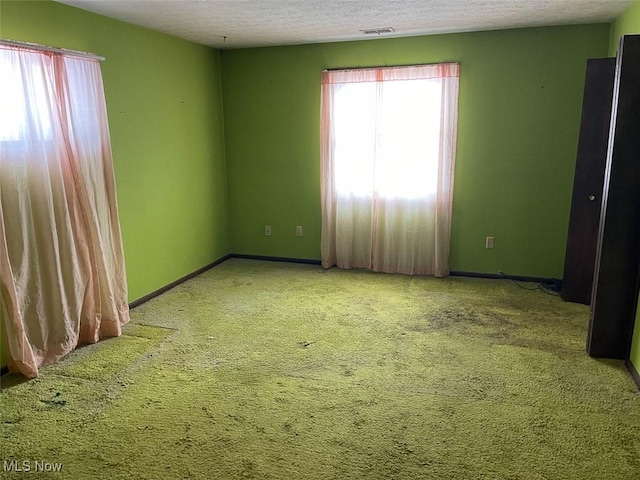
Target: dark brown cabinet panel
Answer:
[[582, 237], [615, 283]]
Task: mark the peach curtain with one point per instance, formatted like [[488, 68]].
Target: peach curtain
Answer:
[[388, 140], [62, 272]]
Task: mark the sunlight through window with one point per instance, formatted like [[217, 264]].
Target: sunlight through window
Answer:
[[387, 138], [19, 112]]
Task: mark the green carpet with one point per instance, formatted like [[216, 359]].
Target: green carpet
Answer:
[[281, 371], [102, 360]]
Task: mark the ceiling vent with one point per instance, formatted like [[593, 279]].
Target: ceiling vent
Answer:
[[377, 31]]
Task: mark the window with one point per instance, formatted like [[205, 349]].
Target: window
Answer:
[[23, 106], [390, 130], [388, 150]]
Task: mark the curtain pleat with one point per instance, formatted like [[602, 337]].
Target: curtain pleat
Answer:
[[62, 269]]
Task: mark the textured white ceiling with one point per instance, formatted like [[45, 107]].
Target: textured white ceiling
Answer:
[[251, 23]]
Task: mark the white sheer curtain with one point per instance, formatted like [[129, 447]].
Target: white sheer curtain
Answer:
[[388, 138], [62, 273]]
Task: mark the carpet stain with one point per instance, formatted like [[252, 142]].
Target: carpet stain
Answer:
[[270, 371]]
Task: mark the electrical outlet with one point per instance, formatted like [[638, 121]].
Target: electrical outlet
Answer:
[[267, 230], [489, 242], [298, 231]]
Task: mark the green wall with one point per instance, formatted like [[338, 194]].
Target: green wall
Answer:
[[519, 114], [165, 113], [628, 23]]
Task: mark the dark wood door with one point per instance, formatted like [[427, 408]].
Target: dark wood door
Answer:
[[582, 237], [615, 285]]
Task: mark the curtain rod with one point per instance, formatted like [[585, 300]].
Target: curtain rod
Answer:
[[44, 48], [375, 67]]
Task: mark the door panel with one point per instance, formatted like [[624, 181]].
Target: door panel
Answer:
[[588, 180]]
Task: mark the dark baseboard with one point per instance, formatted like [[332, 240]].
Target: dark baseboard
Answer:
[[501, 276], [497, 276], [4, 370], [634, 373], [175, 283], [307, 261]]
